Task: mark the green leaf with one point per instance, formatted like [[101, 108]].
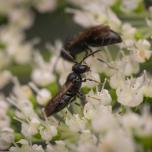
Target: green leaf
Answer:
[[140, 8], [85, 89], [103, 77], [145, 141], [117, 7], [2, 46], [114, 96], [53, 88], [147, 100], [18, 136], [33, 100], [146, 65], [46, 55], [22, 71], [138, 35]]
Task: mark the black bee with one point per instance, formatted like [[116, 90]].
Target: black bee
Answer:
[[96, 36], [68, 91]]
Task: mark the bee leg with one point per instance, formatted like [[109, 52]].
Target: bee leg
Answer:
[[66, 55], [105, 62], [84, 80]]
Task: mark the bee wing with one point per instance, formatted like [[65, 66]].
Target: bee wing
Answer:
[[55, 101]]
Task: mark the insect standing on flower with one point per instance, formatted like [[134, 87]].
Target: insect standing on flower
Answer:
[[95, 36], [69, 90]]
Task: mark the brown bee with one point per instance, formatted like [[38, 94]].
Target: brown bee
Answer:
[[96, 36]]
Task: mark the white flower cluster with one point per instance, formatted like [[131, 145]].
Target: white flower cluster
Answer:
[[117, 114], [20, 17], [6, 132], [7, 7]]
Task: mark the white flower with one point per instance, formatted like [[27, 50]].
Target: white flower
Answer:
[[130, 5], [90, 2], [87, 142], [128, 35], [104, 120], [37, 148], [61, 65], [59, 146], [25, 91], [114, 21], [95, 102], [7, 6], [42, 79], [108, 3], [19, 90], [116, 80], [4, 119], [131, 92], [117, 141], [49, 148], [6, 138], [7, 35], [142, 51], [15, 47], [95, 13], [147, 126], [127, 65], [43, 96], [3, 61], [105, 97], [147, 88], [31, 128], [26, 147], [89, 110], [101, 97], [131, 121], [5, 77], [47, 132], [83, 18], [145, 130], [75, 123], [21, 53], [46, 5], [21, 101], [43, 73], [3, 107], [21, 18], [86, 147]]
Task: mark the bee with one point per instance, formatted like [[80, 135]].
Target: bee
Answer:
[[95, 36], [69, 90]]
